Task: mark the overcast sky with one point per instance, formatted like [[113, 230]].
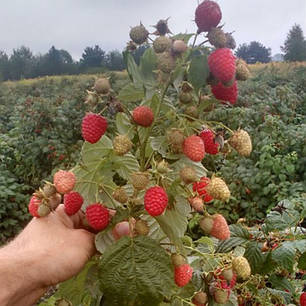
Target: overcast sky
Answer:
[[74, 24]]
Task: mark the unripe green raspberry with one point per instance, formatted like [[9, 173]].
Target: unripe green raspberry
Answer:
[[241, 267], [162, 44], [43, 210], [122, 144], [49, 190], [166, 62], [188, 175], [102, 86], [217, 38], [162, 167], [178, 260], [120, 195], [140, 180], [141, 228], [185, 97], [139, 34]]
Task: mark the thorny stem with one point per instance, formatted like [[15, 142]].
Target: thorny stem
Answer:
[[143, 146], [103, 110], [194, 40], [107, 193], [202, 43], [221, 124], [183, 300]]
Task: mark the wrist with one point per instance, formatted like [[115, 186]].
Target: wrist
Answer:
[[18, 275]]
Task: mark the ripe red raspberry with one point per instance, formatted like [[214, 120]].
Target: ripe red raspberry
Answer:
[[224, 93], [97, 216], [93, 127], [208, 137], [64, 181], [73, 202], [215, 226], [155, 200], [182, 275], [207, 15], [222, 64], [143, 115], [199, 187], [303, 299], [33, 206], [193, 148]]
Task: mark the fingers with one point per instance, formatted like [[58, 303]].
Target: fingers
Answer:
[[74, 221], [88, 240]]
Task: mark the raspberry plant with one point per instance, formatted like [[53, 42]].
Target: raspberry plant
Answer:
[[146, 190]]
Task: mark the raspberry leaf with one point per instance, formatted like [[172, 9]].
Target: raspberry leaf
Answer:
[[174, 221], [136, 270], [131, 93], [198, 71], [123, 125]]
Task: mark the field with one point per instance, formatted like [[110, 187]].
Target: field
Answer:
[[40, 133]]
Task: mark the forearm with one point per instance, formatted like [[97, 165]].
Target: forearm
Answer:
[[19, 284]]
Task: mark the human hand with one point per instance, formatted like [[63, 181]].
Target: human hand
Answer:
[[48, 251]]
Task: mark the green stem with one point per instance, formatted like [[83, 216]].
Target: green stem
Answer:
[[108, 195], [143, 146], [183, 300], [194, 40]]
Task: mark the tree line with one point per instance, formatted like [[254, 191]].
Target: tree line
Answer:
[[294, 49], [23, 64]]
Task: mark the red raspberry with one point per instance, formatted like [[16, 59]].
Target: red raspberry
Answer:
[[193, 148], [182, 275], [215, 226], [225, 93], [93, 127], [222, 64], [303, 299], [73, 202], [208, 137], [155, 200], [207, 15], [97, 216], [64, 181], [199, 187], [33, 206], [143, 115]]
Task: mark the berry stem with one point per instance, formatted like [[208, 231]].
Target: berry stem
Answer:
[[183, 300], [203, 42], [194, 40], [108, 195], [143, 146]]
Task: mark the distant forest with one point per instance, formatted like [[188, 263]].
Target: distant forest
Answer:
[[22, 63]]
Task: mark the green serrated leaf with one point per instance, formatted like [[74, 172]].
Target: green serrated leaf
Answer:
[[131, 93], [229, 244], [94, 170], [133, 70], [239, 231], [183, 162], [124, 165], [123, 124], [147, 65], [181, 36], [74, 289], [103, 240], [254, 256], [302, 262], [174, 221], [198, 71], [136, 270], [284, 255], [279, 282]]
